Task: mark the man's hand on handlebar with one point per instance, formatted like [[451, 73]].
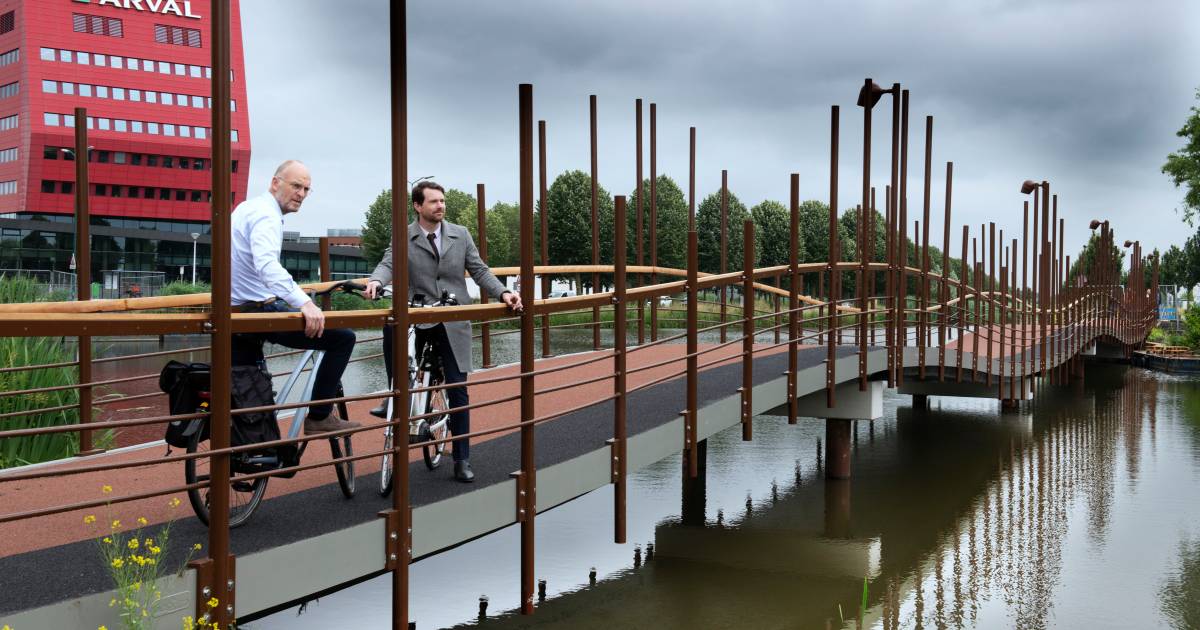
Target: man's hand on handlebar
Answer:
[[372, 290], [513, 301]]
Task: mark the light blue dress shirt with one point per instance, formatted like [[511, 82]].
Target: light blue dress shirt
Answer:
[[255, 272]]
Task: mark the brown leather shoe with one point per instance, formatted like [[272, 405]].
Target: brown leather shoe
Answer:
[[327, 424]]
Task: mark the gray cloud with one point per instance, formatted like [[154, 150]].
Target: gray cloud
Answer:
[[1085, 94]]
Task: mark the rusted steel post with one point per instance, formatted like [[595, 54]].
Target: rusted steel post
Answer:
[[821, 309], [485, 329], [691, 454], [1012, 337], [641, 242], [835, 282], [399, 518], [963, 289], [326, 275], [977, 284], [620, 403], [1024, 318], [220, 353], [653, 217], [889, 223], [870, 256], [892, 231], [944, 285], [837, 448], [794, 315], [991, 301], [747, 329], [1060, 344], [1044, 298], [724, 295], [1035, 264], [902, 243], [862, 239], [1052, 291], [1003, 294], [544, 224], [527, 484], [778, 320], [923, 321], [595, 223], [83, 273]]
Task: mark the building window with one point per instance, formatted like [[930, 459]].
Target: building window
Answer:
[[48, 186], [201, 133], [7, 22], [49, 87], [164, 194], [97, 25], [13, 56], [121, 126], [101, 190], [67, 188], [151, 160], [8, 188], [8, 122], [137, 126], [233, 137], [168, 161], [8, 155], [68, 87], [180, 195], [176, 35], [51, 120], [9, 89]]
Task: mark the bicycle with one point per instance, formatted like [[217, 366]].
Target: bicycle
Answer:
[[428, 418], [245, 496]]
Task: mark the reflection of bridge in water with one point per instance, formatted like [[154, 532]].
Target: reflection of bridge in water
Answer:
[[974, 328]]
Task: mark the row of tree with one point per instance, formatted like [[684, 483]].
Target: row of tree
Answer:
[[569, 202]]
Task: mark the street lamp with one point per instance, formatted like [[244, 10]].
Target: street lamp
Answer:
[[195, 235], [418, 180]]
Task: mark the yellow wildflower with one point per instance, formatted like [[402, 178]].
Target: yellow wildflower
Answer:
[[174, 502], [116, 524], [117, 563], [107, 540], [189, 623], [89, 519], [142, 521], [155, 550], [149, 541], [212, 603], [106, 488], [144, 613], [196, 546], [137, 586], [100, 628], [112, 602], [133, 543]]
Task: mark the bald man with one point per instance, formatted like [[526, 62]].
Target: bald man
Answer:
[[262, 285]]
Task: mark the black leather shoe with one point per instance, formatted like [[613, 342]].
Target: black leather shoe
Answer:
[[380, 411], [462, 471]]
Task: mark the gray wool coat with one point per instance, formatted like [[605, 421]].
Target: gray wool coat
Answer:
[[429, 276]]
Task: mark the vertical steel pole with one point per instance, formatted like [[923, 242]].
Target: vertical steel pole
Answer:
[[902, 242], [862, 240], [964, 281], [893, 217], [1024, 318], [923, 321], [595, 223], [978, 283], [544, 223], [991, 301], [724, 296], [835, 283], [653, 217], [1003, 292], [326, 274], [641, 242], [83, 273], [1052, 290], [219, 419], [944, 285], [620, 403], [399, 518], [1044, 297], [528, 482], [485, 329], [690, 441], [747, 329], [794, 314]]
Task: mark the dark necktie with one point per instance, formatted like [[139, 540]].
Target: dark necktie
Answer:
[[433, 245]]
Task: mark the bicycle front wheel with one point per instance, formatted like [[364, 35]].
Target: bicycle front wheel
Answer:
[[244, 496], [340, 447], [435, 427]]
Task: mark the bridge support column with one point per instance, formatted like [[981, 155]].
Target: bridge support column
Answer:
[[920, 401], [837, 448], [837, 508], [692, 509], [1010, 404]]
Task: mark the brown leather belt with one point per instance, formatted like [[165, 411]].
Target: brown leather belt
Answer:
[[251, 306]]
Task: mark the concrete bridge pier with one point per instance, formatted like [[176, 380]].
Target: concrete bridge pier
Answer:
[[852, 404]]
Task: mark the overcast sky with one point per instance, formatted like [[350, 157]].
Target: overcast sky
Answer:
[[1085, 94]]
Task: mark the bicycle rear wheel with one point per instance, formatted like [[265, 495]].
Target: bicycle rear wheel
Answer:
[[435, 427], [340, 447], [244, 496]]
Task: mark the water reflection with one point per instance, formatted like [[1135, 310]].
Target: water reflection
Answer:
[[1081, 511]]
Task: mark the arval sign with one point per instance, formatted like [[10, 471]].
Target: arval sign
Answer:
[[165, 7]]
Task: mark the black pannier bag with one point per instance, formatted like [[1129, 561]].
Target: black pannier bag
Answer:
[[250, 387]]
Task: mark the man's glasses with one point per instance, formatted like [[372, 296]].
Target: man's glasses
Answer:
[[297, 186]]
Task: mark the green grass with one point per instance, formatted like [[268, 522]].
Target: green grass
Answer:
[[23, 351]]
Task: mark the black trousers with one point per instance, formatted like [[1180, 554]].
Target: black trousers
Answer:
[[338, 344], [460, 421]]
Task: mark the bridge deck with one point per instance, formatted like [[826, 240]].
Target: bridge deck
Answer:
[[54, 559]]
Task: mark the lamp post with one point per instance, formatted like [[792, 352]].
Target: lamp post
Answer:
[[419, 179], [1042, 276], [195, 236]]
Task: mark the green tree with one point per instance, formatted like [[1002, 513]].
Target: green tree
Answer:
[[814, 239], [461, 208], [772, 234], [672, 222], [1085, 262], [377, 228], [708, 232], [1183, 167], [504, 235], [569, 219]]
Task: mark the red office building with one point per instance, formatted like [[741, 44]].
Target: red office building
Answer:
[[142, 70]]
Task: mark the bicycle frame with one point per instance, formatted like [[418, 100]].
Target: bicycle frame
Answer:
[[280, 398]]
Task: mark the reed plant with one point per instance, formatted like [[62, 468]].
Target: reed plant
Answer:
[[18, 352]]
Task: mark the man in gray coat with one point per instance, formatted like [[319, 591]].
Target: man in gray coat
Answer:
[[439, 253]]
